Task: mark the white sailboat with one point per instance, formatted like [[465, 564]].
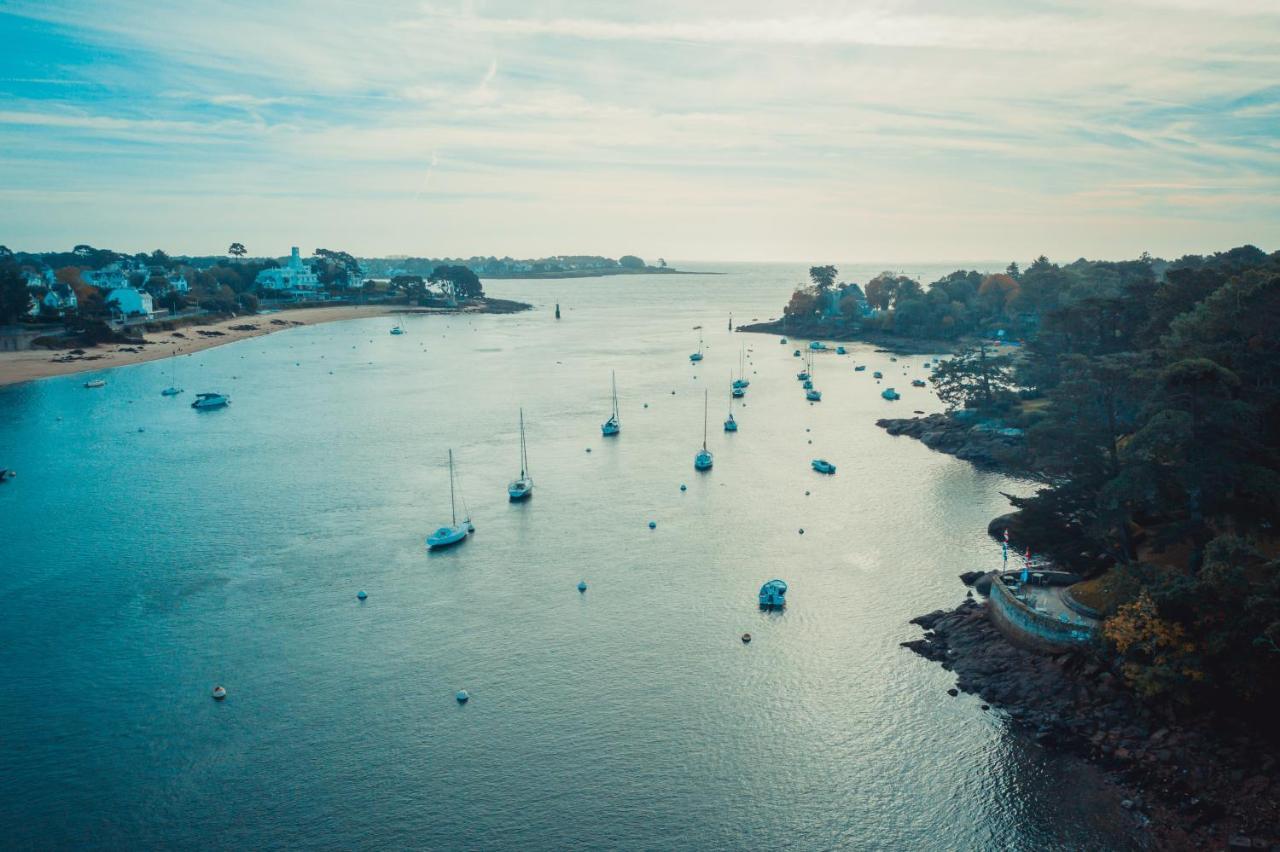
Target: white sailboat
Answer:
[[697, 356], [703, 460], [613, 425], [521, 488], [741, 383], [731, 425], [455, 532], [173, 389]]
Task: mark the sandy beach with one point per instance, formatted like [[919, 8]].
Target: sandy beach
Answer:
[[34, 364]]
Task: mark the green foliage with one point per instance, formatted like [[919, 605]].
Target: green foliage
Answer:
[[14, 297], [974, 378], [630, 261], [459, 281], [823, 277]]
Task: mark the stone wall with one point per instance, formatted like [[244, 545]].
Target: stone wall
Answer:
[[1027, 628]]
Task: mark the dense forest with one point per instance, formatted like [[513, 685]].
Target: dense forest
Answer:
[[1149, 395]]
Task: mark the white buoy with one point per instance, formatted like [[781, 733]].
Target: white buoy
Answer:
[[362, 594], [582, 585], [462, 696], [219, 693]]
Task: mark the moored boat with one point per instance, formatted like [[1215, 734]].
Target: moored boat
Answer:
[[95, 383], [455, 532], [205, 401], [822, 466], [703, 460], [773, 595], [890, 394], [613, 425], [522, 487]]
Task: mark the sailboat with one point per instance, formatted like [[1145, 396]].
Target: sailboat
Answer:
[[173, 389], [809, 392], [613, 425], [741, 383], [521, 488], [702, 461], [731, 425], [697, 356], [455, 532]]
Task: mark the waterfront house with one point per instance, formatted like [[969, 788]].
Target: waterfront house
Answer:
[[59, 299], [293, 276], [128, 302]]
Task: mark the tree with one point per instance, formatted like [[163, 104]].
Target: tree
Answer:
[[630, 261], [823, 277], [14, 296], [458, 280], [237, 250], [974, 379], [804, 301]]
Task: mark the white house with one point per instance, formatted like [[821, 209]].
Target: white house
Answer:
[[294, 275], [43, 279], [110, 277], [60, 299], [130, 302], [177, 281]]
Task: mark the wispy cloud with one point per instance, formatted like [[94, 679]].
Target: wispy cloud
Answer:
[[724, 128]]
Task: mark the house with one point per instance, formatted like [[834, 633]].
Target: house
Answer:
[[113, 276], [294, 275], [60, 299], [177, 281], [129, 302], [43, 279]]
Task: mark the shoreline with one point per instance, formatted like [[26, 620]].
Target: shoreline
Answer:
[[31, 365], [1194, 782], [888, 342]]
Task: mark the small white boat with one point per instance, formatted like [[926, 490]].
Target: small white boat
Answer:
[[397, 330], [731, 425], [877, 375], [455, 532], [813, 395], [773, 595], [522, 488], [205, 401], [95, 383], [173, 389], [703, 460], [613, 425], [823, 466], [917, 383], [890, 394], [697, 356], [859, 368]]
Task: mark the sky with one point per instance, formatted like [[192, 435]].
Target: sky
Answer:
[[717, 130]]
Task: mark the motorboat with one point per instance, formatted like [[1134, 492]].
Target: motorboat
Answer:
[[877, 375], [773, 595], [860, 368], [917, 383], [205, 401], [890, 394], [95, 383], [813, 395], [522, 487], [455, 532], [823, 466]]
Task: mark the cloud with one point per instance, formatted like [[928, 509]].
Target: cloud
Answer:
[[698, 126]]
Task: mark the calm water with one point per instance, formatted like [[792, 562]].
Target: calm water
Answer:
[[142, 567]]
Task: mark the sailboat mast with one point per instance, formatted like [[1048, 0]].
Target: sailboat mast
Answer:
[[524, 463], [704, 420], [613, 378], [453, 506]]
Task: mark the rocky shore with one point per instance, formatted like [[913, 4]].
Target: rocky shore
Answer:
[[1196, 783], [828, 331], [987, 443]]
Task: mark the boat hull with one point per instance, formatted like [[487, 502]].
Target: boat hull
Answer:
[[519, 490], [447, 537]]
